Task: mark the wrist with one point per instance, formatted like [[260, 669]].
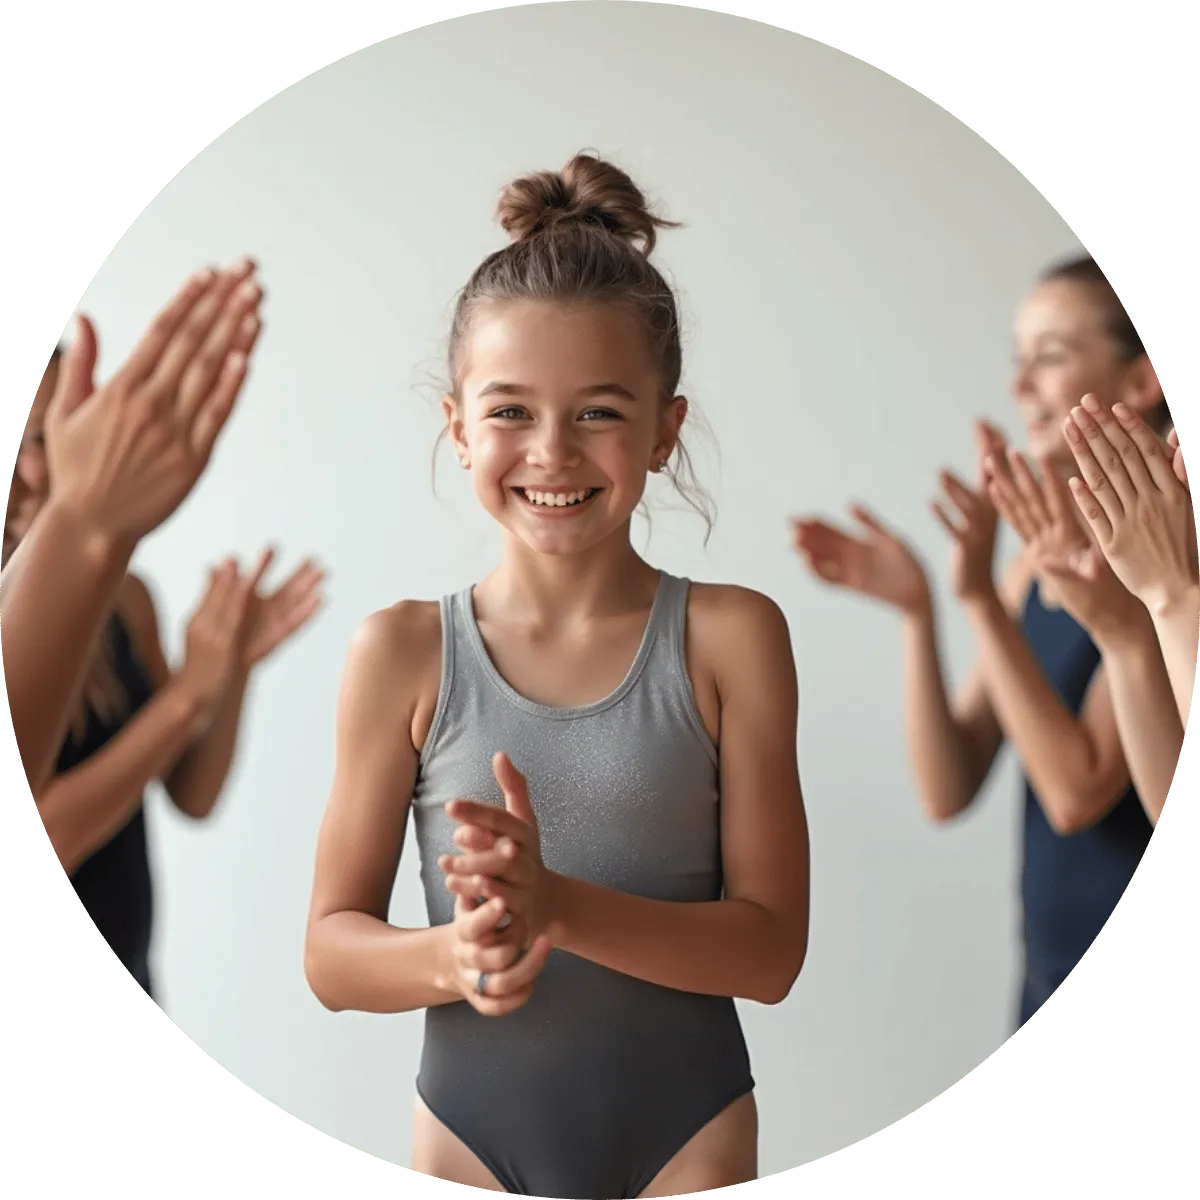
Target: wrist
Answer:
[[103, 551], [556, 888], [1130, 630], [1182, 596], [445, 974], [186, 705], [983, 602]]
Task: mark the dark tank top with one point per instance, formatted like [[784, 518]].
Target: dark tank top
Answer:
[[1071, 883], [114, 883]]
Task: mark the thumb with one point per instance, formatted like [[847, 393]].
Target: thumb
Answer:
[[76, 377], [516, 790]]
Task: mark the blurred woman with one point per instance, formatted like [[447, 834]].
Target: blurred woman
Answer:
[[1038, 681]]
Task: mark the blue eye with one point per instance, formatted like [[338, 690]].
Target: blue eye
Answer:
[[508, 414], [602, 414]]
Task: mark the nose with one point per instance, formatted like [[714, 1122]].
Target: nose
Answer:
[[1019, 384], [553, 446]]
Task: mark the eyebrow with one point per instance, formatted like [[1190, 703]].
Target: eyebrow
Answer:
[[498, 387]]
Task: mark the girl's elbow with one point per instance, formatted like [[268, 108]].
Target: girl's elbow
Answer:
[[318, 981], [777, 986]]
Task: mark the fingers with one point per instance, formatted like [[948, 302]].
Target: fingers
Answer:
[[471, 838], [153, 343], [486, 887], [76, 375], [1101, 430], [1032, 492], [1058, 496], [1093, 511], [266, 556], [1075, 428], [947, 524], [1151, 463], [1128, 452], [492, 818], [868, 520], [1007, 499], [960, 495], [191, 334], [505, 991], [515, 788], [1180, 469], [500, 861], [216, 410], [518, 978], [1173, 438], [236, 327], [474, 924]]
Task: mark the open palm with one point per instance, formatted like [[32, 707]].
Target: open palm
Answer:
[[877, 564], [274, 617]]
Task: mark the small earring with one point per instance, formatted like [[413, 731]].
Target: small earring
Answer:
[[660, 466], [462, 460]]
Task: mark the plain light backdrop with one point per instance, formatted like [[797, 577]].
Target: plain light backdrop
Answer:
[[849, 269]]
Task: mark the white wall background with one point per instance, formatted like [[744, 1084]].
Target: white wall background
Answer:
[[849, 269]]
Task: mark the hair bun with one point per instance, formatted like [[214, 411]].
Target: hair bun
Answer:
[[587, 191]]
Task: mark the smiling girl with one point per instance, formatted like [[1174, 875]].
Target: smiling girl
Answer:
[[600, 757]]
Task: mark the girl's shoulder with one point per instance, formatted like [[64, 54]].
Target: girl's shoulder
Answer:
[[725, 603], [405, 634], [729, 624], [393, 670]]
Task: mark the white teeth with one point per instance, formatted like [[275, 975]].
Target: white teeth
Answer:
[[555, 499]]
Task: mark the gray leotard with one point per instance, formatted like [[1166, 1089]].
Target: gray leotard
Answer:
[[591, 1087]]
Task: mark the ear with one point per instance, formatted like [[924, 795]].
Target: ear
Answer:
[[454, 425], [670, 423]]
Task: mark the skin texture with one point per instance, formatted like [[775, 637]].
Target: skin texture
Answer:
[[563, 398], [1042, 512], [1076, 763], [1132, 492], [124, 456], [186, 735]]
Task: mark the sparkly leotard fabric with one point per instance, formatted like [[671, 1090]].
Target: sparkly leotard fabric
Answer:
[[591, 1087]]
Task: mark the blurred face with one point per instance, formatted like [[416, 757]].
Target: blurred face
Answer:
[[31, 481], [560, 419], [1063, 352]]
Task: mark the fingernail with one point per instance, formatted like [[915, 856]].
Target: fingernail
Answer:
[[1090, 403], [1122, 412], [250, 290]]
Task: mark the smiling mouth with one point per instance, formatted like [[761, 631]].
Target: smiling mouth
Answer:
[[556, 500]]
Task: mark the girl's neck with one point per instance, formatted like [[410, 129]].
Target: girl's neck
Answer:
[[554, 589]]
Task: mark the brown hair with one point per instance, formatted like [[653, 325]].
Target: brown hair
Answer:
[[1085, 271], [584, 235]]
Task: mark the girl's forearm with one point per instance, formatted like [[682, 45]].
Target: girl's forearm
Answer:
[[86, 807], [1147, 718], [1177, 623], [354, 961], [718, 948], [56, 592], [195, 781]]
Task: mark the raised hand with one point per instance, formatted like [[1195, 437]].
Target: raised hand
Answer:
[[1043, 515], [273, 617], [122, 458], [505, 858], [495, 977], [973, 526], [878, 564], [215, 634], [1131, 496]]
